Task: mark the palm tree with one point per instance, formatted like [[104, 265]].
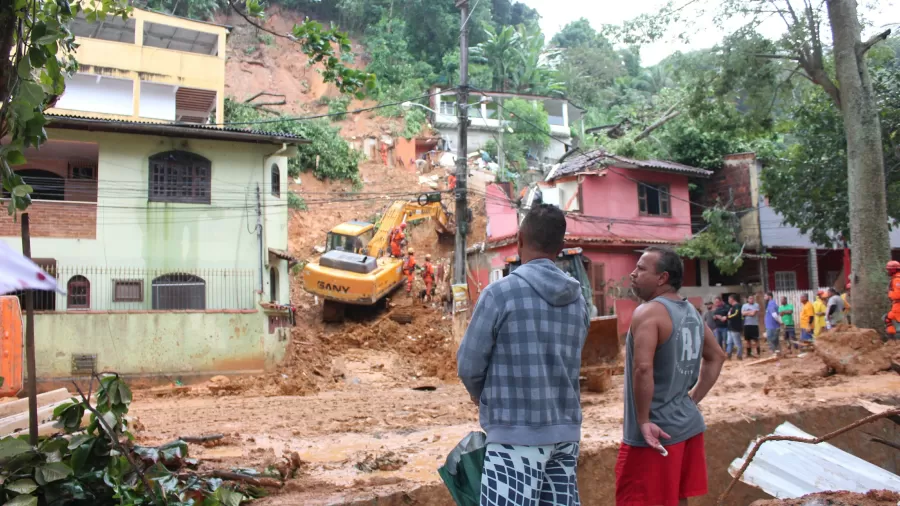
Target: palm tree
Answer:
[[500, 51]]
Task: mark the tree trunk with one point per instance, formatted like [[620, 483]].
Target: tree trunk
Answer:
[[870, 244]]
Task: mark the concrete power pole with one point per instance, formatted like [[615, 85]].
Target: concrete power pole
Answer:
[[460, 298]]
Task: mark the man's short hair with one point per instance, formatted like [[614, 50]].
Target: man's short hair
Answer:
[[832, 290], [544, 229], [770, 294], [669, 262]]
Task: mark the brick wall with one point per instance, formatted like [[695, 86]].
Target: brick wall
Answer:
[[732, 181], [55, 219]]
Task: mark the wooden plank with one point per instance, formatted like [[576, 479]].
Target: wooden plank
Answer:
[[21, 405], [19, 421], [765, 360], [50, 428]]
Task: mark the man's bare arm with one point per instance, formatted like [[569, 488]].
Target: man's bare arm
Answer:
[[710, 366], [645, 330]]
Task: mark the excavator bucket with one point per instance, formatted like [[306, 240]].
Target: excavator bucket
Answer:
[[602, 343], [600, 353]]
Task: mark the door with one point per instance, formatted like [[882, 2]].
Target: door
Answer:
[[598, 286]]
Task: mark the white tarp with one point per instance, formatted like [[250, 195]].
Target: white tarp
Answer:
[[19, 273], [788, 469]]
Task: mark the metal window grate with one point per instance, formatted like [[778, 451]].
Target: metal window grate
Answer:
[[79, 293], [128, 290], [179, 291], [785, 280], [83, 364], [179, 176]]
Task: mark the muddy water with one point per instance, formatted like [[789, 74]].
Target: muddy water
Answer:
[[724, 442]]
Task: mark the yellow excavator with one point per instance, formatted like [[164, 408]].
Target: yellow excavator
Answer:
[[354, 270]]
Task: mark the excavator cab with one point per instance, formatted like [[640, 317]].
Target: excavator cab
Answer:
[[352, 237]]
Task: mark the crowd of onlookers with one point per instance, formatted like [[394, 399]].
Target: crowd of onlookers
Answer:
[[735, 323]]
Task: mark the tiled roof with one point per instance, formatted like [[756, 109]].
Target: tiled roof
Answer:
[[190, 130], [598, 158]]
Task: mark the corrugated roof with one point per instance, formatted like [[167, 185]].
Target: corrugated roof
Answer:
[[790, 469], [598, 158], [188, 130]]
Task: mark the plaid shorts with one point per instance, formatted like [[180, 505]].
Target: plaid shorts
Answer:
[[530, 475]]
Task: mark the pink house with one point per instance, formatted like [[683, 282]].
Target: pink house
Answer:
[[615, 207]]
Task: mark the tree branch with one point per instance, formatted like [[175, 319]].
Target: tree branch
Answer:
[[779, 56], [867, 45], [258, 26], [263, 93], [660, 122], [115, 441]]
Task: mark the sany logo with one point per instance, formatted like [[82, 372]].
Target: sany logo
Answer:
[[333, 288]]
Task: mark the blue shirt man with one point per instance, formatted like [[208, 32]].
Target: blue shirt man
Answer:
[[773, 325]]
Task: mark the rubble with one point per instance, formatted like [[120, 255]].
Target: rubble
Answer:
[[855, 352], [871, 498]]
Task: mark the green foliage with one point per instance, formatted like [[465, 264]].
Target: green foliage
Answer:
[[42, 53], [517, 60], [328, 156], [415, 121], [250, 50], [193, 9], [400, 75], [717, 242], [508, 13], [338, 106], [807, 180], [528, 120], [266, 39], [93, 466], [296, 202]]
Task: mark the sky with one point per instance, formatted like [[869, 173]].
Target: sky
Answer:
[[557, 13]]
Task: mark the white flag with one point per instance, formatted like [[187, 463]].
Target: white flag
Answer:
[[19, 273]]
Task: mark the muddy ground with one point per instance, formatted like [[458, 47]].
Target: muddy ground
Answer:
[[380, 416]]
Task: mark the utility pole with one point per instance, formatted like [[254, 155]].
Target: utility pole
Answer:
[[30, 362], [259, 232], [460, 296]]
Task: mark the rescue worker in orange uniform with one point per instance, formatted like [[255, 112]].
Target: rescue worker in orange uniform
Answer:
[[409, 269], [893, 317], [451, 182], [396, 240], [428, 277]]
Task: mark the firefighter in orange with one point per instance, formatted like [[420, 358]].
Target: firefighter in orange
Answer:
[[451, 182], [396, 240], [409, 269], [428, 277], [893, 317]]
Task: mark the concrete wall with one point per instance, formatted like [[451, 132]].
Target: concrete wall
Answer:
[[613, 196], [157, 101], [93, 93], [154, 343]]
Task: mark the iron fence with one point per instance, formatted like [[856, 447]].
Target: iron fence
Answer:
[[101, 288]]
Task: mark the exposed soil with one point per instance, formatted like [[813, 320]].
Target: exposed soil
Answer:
[[849, 350], [872, 498]]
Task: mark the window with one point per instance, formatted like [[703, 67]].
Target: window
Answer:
[[496, 275], [273, 284], [79, 293], [276, 181], [448, 108], [179, 176], [653, 199], [128, 290], [785, 280], [178, 292]]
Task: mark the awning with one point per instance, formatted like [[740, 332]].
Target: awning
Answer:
[[284, 255]]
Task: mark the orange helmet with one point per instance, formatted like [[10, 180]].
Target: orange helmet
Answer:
[[893, 266], [848, 286]]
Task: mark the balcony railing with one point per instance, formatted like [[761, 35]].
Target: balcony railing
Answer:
[[93, 288]]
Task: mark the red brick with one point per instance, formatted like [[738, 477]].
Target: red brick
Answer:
[[69, 220]]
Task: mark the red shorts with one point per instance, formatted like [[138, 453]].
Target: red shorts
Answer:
[[645, 478]]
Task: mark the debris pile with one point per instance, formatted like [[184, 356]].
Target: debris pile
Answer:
[[855, 352], [871, 498]]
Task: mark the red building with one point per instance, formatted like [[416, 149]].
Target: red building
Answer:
[[615, 207]]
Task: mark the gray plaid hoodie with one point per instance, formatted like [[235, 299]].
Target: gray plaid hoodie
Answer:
[[521, 356]]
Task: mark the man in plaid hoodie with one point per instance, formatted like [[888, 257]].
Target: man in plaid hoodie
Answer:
[[520, 361]]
